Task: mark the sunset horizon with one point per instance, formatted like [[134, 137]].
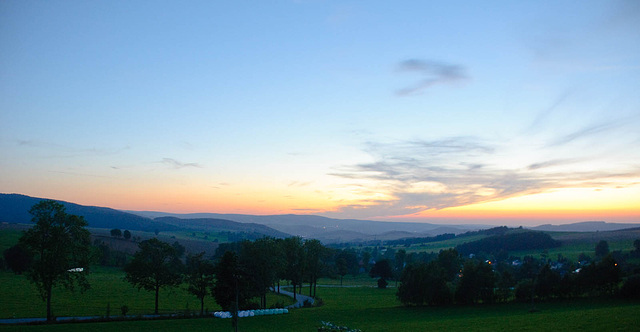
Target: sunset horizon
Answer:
[[456, 112]]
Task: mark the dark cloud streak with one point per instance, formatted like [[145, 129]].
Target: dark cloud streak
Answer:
[[417, 176], [433, 73], [177, 164]]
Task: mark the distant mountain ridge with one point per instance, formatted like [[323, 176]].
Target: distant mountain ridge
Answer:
[[585, 226], [331, 230], [217, 225], [14, 208]]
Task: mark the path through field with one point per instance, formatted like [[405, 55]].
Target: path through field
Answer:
[[299, 298]]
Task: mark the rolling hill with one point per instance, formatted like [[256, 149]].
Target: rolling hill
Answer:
[[14, 208], [331, 230]]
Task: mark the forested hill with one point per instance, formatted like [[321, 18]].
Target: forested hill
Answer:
[[14, 208], [210, 224], [519, 240]]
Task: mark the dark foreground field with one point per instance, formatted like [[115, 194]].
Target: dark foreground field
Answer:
[[371, 309]]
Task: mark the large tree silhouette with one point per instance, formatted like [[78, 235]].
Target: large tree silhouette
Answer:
[[200, 277], [155, 265], [60, 247]]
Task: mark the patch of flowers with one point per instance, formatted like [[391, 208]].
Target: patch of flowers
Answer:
[[330, 327]]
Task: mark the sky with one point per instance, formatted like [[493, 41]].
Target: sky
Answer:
[[491, 112]]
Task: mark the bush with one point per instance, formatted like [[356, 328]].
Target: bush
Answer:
[[631, 287], [424, 284], [18, 259], [330, 327], [251, 306], [277, 305], [382, 283], [524, 290]]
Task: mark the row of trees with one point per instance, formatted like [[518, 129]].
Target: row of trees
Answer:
[[450, 279], [245, 271], [58, 252], [116, 232]]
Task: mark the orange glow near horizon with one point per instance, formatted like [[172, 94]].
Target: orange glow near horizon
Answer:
[[613, 205], [561, 205]]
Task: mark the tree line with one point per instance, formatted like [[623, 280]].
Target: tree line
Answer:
[[451, 278], [57, 251]]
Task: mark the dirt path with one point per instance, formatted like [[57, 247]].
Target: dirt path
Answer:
[[300, 299]]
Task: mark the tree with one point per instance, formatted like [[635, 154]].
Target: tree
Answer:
[[636, 251], [17, 258], [366, 258], [294, 257], [399, 261], [477, 283], [314, 254], [231, 287], [341, 265], [199, 277], [262, 259], [450, 261], [422, 284], [126, 234], [548, 283], [505, 284], [58, 243], [382, 269], [602, 277], [155, 265], [631, 288], [116, 232], [602, 248]]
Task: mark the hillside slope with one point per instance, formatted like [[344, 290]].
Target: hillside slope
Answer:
[[14, 208]]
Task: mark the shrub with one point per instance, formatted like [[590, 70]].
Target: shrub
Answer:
[[631, 287], [277, 305], [524, 290], [382, 283], [330, 327]]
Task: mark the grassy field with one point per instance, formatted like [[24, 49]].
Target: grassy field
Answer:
[[371, 309], [108, 289], [358, 305], [572, 250], [440, 245], [8, 237], [349, 280]]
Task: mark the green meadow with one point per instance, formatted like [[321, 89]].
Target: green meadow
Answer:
[[109, 292], [357, 305], [371, 309]]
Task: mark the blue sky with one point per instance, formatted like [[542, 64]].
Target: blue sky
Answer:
[[386, 110]]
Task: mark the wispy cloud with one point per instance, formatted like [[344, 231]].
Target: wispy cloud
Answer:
[[431, 73], [81, 174], [175, 164], [553, 163], [298, 184], [53, 150], [416, 176], [588, 131]]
